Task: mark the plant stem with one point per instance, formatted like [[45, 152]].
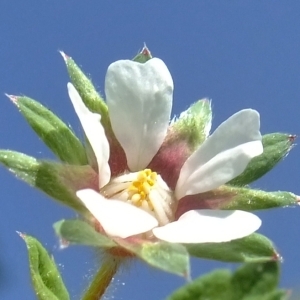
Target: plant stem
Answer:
[[103, 278]]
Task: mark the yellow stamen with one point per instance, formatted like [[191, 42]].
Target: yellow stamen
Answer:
[[146, 190], [140, 188]]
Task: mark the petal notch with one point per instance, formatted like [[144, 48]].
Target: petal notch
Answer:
[[139, 98]]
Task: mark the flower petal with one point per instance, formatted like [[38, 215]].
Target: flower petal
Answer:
[[209, 226], [118, 219], [139, 98], [223, 156], [221, 169], [95, 133]]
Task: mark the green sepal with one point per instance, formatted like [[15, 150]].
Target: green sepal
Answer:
[[59, 181], [194, 124], [53, 132], [143, 56], [249, 199], [81, 233], [252, 248], [169, 257], [87, 91], [276, 147], [249, 282], [92, 160], [46, 279]]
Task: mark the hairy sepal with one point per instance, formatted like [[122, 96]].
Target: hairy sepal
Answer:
[[59, 181], [81, 233], [172, 258], [253, 248], [87, 91], [193, 125], [250, 199], [276, 147], [53, 132]]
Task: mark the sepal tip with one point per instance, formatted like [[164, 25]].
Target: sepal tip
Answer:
[[143, 56], [64, 55], [145, 51], [21, 234], [13, 98], [292, 138], [277, 257]]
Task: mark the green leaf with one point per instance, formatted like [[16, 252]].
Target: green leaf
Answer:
[[253, 248], [194, 124], [248, 199], [87, 91], [53, 132], [79, 232], [213, 286], [249, 282], [59, 181], [143, 56], [276, 147], [46, 279], [274, 295], [255, 280], [172, 258]]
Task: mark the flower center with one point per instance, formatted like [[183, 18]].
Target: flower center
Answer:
[[140, 188], [146, 190]]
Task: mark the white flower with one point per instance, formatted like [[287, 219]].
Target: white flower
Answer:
[[139, 202]]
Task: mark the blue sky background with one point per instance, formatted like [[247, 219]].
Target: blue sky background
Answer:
[[238, 53]]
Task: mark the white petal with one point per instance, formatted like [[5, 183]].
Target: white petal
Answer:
[[118, 219], [94, 131], [223, 156], [209, 226], [220, 169], [139, 98]]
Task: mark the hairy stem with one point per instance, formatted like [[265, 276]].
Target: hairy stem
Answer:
[[103, 278]]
